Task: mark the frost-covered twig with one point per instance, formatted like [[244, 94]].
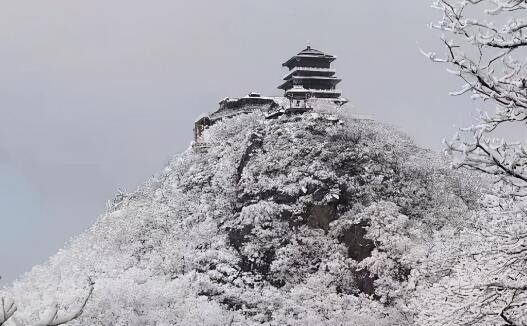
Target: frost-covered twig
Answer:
[[487, 52], [53, 318], [8, 309]]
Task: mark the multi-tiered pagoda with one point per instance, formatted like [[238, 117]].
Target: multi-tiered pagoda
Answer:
[[310, 75], [310, 83]]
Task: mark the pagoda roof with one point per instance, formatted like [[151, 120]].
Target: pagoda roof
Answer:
[[309, 52], [289, 82], [298, 89], [325, 71]]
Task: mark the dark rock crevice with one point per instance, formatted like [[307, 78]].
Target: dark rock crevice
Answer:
[[239, 236], [365, 282], [354, 239], [255, 142], [320, 216]]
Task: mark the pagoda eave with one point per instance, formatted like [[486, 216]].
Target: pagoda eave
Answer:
[[309, 70], [331, 82], [290, 62], [307, 92]]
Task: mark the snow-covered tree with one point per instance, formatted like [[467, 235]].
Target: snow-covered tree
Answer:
[[477, 274], [486, 43], [476, 271], [316, 219]]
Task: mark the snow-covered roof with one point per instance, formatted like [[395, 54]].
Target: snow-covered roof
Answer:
[[311, 90], [309, 53], [317, 77], [327, 71], [330, 79], [310, 50]]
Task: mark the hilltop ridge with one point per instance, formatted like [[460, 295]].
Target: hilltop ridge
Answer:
[[317, 218]]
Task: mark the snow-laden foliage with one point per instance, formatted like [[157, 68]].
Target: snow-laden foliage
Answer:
[[315, 219], [486, 42], [482, 278], [481, 269]]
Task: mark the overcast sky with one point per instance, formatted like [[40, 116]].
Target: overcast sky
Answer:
[[97, 95]]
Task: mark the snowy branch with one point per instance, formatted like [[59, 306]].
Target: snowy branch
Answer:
[[8, 309], [487, 52]]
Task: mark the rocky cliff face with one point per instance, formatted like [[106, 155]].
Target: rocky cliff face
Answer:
[[322, 218]]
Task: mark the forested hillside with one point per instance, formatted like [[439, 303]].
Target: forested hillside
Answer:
[[323, 218]]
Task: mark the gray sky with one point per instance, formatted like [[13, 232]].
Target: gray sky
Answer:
[[97, 95]]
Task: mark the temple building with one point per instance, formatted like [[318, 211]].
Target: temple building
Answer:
[[310, 83], [310, 75]]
